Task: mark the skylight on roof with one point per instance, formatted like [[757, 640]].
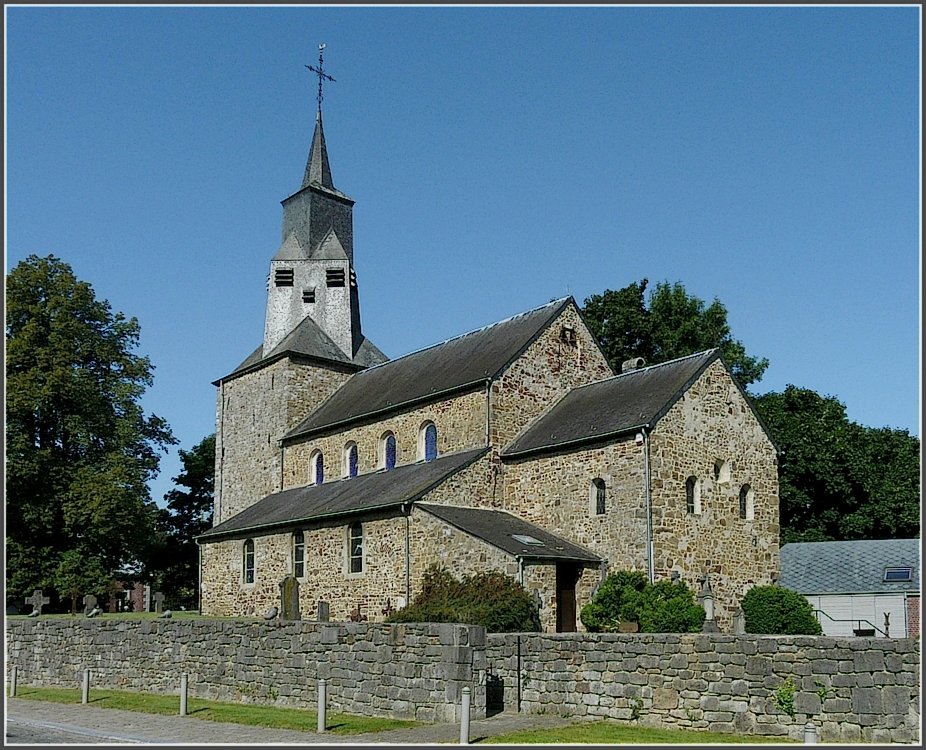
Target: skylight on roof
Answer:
[[525, 539], [898, 574]]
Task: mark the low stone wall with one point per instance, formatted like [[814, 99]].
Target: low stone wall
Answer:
[[855, 689], [400, 671]]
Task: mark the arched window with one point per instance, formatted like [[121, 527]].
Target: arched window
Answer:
[[299, 554], [722, 472], [598, 496], [428, 442], [388, 451], [247, 562], [317, 462], [693, 495], [355, 548], [747, 503], [350, 460]]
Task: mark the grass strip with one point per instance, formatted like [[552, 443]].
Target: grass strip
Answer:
[[614, 733], [298, 719]]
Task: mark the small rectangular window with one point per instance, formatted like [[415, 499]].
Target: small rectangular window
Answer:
[[283, 277], [898, 574], [525, 539], [355, 548], [308, 295], [334, 277]]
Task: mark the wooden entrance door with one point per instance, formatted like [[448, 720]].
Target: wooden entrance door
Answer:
[[566, 576]]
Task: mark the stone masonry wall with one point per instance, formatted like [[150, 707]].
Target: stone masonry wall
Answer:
[[414, 671], [253, 411], [869, 686], [547, 369], [460, 422], [713, 423], [855, 689]]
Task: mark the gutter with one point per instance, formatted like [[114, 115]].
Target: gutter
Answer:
[[569, 444]]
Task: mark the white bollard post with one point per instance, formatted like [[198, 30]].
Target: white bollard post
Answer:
[[322, 706], [464, 718], [183, 693], [85, 688], [810, 733], [13, 674]]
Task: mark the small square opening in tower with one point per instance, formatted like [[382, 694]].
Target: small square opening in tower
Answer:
[[334, 277], [283, 277], [308, 295]]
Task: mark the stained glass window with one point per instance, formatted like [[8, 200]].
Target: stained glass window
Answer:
[[352, 460], [318, 468], [389, 451], [430, 442]]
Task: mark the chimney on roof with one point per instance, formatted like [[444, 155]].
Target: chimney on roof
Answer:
[[634, 363]]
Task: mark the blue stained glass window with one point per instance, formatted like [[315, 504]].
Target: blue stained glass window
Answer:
[[352, 461], [430, 443], [389, 452], [318, 468]]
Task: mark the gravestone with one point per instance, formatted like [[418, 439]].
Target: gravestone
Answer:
[[323, 612], [158, 601], [37, 601], [289, 599], [89, 603]]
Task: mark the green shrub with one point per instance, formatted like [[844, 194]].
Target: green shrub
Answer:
[[773, 610], [627, 596], [497, 602]]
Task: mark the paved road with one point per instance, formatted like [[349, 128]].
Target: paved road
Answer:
[[38, 722]]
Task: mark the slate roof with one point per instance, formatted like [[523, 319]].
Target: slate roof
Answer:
[[309, 340], [454, 365], [374, 491], [498, 528], [608, 408], [855, 567]]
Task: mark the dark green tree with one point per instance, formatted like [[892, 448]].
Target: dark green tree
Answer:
[[627, 596], [671, 323], [839, 479], [79, 448], [188, 514]]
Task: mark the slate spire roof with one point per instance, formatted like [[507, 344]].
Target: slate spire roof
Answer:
[[317, 169]]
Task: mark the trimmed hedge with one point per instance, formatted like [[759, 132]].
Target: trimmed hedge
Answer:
[[774, 610], [627, 596]]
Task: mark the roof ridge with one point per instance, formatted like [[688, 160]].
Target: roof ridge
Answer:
[[561, 300], [643, 369]]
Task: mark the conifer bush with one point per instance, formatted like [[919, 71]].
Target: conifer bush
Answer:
[[493, 600], [627, 596], [774, 610]]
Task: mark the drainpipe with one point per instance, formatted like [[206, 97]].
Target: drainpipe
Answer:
[[650, 567], [199, 581]]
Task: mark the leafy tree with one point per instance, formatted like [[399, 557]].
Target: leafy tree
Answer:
[[79, 573], [774, 610], [670, 324], [187, 515], [79, 448], [491, 599], [627, 596], [839, 479]]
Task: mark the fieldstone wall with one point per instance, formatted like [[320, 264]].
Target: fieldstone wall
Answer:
[[855, 689], [414, 671]]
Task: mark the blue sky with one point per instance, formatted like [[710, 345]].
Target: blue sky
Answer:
[[499, 157]]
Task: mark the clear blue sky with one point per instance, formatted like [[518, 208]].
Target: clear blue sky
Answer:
[[499, 157]]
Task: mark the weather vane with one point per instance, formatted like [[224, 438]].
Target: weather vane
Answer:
[[320, 70]]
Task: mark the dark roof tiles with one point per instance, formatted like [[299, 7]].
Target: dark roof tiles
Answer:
[[854, 567]]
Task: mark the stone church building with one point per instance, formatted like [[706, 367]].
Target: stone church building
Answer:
[[513, 448]]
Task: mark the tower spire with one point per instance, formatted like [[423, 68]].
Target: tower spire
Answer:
[[317, 169]]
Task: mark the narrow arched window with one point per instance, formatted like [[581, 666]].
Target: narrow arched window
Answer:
[[598, 496], [247, 563], [428, 442], [722, 472], [388, 451], [350, 460], [355, 548], [317, 463], [747, 503], [299, 554], [693, 495]]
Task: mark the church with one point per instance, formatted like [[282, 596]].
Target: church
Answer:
[[513, 448]]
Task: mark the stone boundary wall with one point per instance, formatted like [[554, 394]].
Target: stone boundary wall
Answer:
[[407, 671], [721, 683], [856, 689]]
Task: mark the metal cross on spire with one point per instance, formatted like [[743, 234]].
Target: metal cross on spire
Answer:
[[320, 71]]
